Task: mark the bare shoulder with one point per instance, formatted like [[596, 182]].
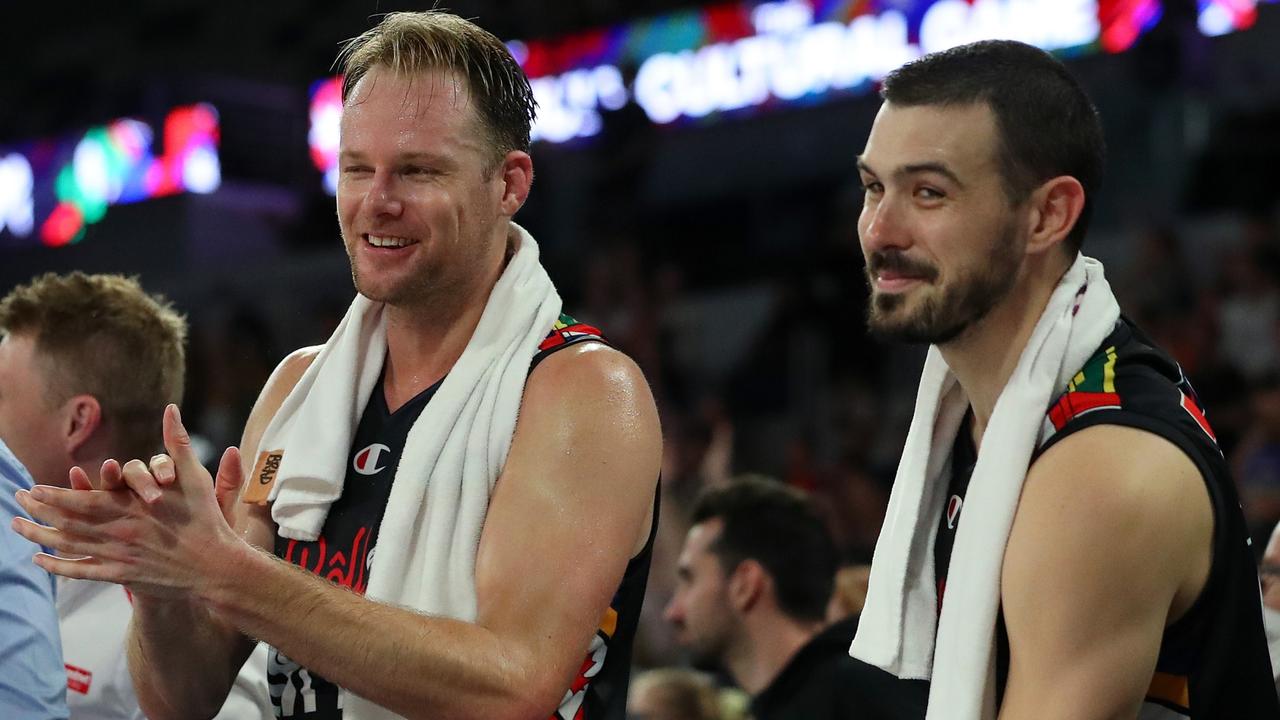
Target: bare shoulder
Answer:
[[1115, 504], [571, 507], [589, 430], [289, 371], [594, 384], [592, 366], [1111, 473], [278, 386], [252, 520], [1111, 543]]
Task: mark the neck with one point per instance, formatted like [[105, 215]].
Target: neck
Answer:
[[426, 338], [90, 461], [984, 357], [768, 644]]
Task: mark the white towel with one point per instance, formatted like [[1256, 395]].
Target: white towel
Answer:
[[425, 559], [899, 630]]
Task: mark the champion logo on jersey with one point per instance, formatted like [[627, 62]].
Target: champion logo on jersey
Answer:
[[366, 461], [953, 511]]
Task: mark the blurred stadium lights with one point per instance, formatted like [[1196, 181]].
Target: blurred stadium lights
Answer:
[[687, 66], [56, 188], [736, 58]]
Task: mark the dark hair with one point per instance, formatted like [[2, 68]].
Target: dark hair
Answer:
[[1046, 124], [415, 42], [779, 528], [104, 336]]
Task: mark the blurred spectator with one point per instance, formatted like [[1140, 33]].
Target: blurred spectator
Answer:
[[1158, 292], [755, 580], [856, 503], [1256, 461], [232, 360], [850, 593], [1249, 312], [801, 471], [88, 364], [1158, 279], [33, 685], [1271, 600], [675, 694], [696, 455]]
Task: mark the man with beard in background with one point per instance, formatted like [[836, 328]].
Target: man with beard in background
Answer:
[[754, 579]]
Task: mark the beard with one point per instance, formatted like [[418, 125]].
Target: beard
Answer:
[[708, 654], [408, 289], [709, 642], [941, 317]]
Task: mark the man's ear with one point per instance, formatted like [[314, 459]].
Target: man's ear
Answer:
[[1056, 207], [516, 174], [82, 417], [747, 585]]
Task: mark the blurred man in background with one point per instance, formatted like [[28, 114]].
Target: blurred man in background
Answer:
[[32, 683], [87, 364], [754, 581]]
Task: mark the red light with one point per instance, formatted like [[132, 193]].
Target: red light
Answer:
[[62, 226]]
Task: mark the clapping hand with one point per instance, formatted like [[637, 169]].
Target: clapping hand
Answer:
[[158, 528]]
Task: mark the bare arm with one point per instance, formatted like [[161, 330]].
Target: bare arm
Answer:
[[182, 659], [568, 512], [1112, 542], [571, 508]]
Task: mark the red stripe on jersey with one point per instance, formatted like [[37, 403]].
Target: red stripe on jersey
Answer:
[[1077, 403], [562, 335], [1196, 414]]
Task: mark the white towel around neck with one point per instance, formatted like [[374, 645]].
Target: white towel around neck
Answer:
[[899, 629], [426, 552]]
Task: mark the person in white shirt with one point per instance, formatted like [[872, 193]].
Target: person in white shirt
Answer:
[[87, 362]]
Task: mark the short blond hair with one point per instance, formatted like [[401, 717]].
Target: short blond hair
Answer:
[[682, 693], [103, 335], [410, 43]]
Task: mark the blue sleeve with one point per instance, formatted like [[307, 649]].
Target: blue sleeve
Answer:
[[33, 681]]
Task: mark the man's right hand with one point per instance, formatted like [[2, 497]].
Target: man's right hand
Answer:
[[161, 548]]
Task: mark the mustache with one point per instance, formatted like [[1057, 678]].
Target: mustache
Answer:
[[897, 262]]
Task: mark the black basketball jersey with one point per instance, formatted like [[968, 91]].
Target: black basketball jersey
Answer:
[[1213, 661], [343, 554]]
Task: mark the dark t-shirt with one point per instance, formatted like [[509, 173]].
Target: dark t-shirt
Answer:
[[823, 683], [343, 555], [1213, 662]]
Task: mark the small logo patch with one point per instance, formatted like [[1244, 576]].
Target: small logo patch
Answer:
[[1198, 415], [953, 511], [78, 679], [263, 477], [366, 461]]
